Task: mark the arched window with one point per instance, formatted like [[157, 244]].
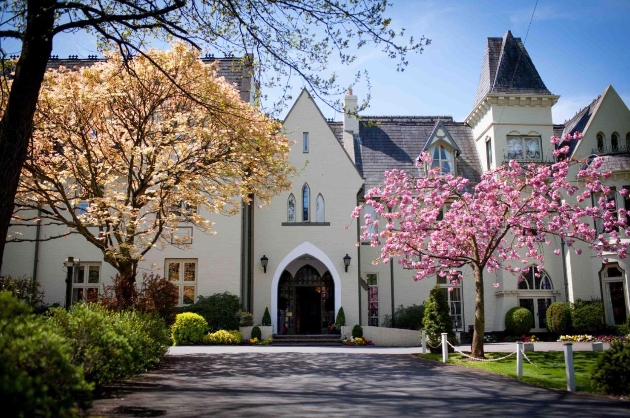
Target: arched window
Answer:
[[613, 280], [319, 212], [614, 142], [600, 142], [443, 158], [536, 294], [291, 208], [306, 201], [533, 280]]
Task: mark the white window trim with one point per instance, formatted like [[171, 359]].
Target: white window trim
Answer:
[[371, 317], [181, 283], [85, 285], [523, 138]]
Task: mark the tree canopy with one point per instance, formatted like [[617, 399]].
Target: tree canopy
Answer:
[[439, 223], [123, 157]]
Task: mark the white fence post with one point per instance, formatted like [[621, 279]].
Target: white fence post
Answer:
[[424, 342], [444, 348], [568, 361], [519, 359]]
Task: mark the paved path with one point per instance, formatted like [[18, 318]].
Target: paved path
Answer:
[[344, 382]]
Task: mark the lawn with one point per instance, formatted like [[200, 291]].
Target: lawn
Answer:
[[548, 370]]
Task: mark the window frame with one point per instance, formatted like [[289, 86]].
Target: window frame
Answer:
[[181, 283], [612, 196], [523, 147], [454, 297], [306, 203], [440, 161], [371, 280], [85, 285], [291, 200], [489, 155], [317, 209]]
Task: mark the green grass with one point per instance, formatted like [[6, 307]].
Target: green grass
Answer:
[[550, 372]]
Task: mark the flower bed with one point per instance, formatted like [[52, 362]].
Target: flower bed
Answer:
[[591, 338], [356, 341], [256, 341]]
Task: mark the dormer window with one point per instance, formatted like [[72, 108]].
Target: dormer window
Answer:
[[443, 158]]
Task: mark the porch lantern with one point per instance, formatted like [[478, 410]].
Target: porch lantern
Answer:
[[346, 261], [264, 261]]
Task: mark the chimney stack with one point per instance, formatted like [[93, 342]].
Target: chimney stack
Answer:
[[350, 123]]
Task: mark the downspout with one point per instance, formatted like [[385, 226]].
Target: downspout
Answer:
[[391, 275], [250, 254], [243, 255], [359, 261], [564, 272]]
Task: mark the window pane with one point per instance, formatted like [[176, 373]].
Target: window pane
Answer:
[[92, 294], [543, 304], [372, 279], [320, 209], [94, 274], [189, 295], [79, 276], [532, 148], [305, 202], [291, 209], [514, 148], [189, 272], [173, 272], [77, 295]]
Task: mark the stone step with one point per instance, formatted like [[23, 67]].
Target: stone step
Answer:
[[307, 340]]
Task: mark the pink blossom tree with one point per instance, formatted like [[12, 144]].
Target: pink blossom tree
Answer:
[[438, 223]]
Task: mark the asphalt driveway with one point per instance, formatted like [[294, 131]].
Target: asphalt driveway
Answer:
[[276, 382]]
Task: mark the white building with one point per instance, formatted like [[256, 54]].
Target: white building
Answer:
[[306, 235]]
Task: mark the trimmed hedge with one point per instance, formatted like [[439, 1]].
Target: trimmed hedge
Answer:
[[256, 333], [587, 317], [406, 317], [223, 337], [611, 375], [437, 318], [357, 331], [219, 310], [189, 329], [558, 318], [341, 318], [518, 321], [266, 319]]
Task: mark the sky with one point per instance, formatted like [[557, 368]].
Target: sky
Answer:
[[579, 48]]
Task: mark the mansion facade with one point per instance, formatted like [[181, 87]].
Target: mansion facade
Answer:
[[301, 255]]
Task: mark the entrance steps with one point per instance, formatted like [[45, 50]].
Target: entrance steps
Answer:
[[322, 340]]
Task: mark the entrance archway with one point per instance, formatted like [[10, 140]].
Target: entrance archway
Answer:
[[302, 252], [306, 302]]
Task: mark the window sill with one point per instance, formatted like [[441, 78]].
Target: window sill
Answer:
[[305, 223]]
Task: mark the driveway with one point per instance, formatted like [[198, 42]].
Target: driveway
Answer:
[[337, 383]]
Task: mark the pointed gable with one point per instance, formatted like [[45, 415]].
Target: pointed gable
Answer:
[[441, 135], [507, 68]]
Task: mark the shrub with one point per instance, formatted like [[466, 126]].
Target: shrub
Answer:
[[611, 375], [23, 288], [245, 319], [406, 317], [266, 320], [219, 310], [357, 331], [37, 377], [223, 337], [189, 329], [518, 321], [155, 295], [559, 318], [97, 343], [341, 318], [437, 318], [256, 333], [587, 317]]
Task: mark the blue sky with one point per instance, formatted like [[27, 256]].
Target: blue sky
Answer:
[[579, 48]]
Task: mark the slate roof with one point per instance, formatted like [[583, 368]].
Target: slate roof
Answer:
[[388, 142], [615, 163], [578, 122], [233, 69], [507, 68]]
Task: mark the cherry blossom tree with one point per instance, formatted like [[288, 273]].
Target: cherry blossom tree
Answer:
[[123, 157], [439, 223]]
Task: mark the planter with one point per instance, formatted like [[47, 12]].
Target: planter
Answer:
[[528, 346], [597, 346]]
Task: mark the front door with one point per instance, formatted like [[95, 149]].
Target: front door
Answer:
[[309, 308], [617, 308]]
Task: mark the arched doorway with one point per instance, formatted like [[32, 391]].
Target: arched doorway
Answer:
[[306, 302]]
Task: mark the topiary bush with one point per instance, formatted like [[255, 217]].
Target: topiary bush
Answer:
[[223, 337], [219, 310], [406, 317], [37, 377], [256, 332], [341, 318], [266, 319], [558, 318], [357, 331], [611, 375], [518, 321], [437, 319], [587, 317], [189, 329]]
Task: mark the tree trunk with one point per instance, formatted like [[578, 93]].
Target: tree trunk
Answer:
[[17, 122], [477, 340], [125, 285]]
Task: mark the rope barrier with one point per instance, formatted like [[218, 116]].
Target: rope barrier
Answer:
[[481, 359], [553, 366]]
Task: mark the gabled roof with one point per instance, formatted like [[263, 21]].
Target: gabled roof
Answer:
[[236, 71], [440, 134], [507, 68], [578, 123], [388, 142]]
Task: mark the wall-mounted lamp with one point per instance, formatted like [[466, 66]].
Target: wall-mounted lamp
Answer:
[[346, 261], [264, 261]]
